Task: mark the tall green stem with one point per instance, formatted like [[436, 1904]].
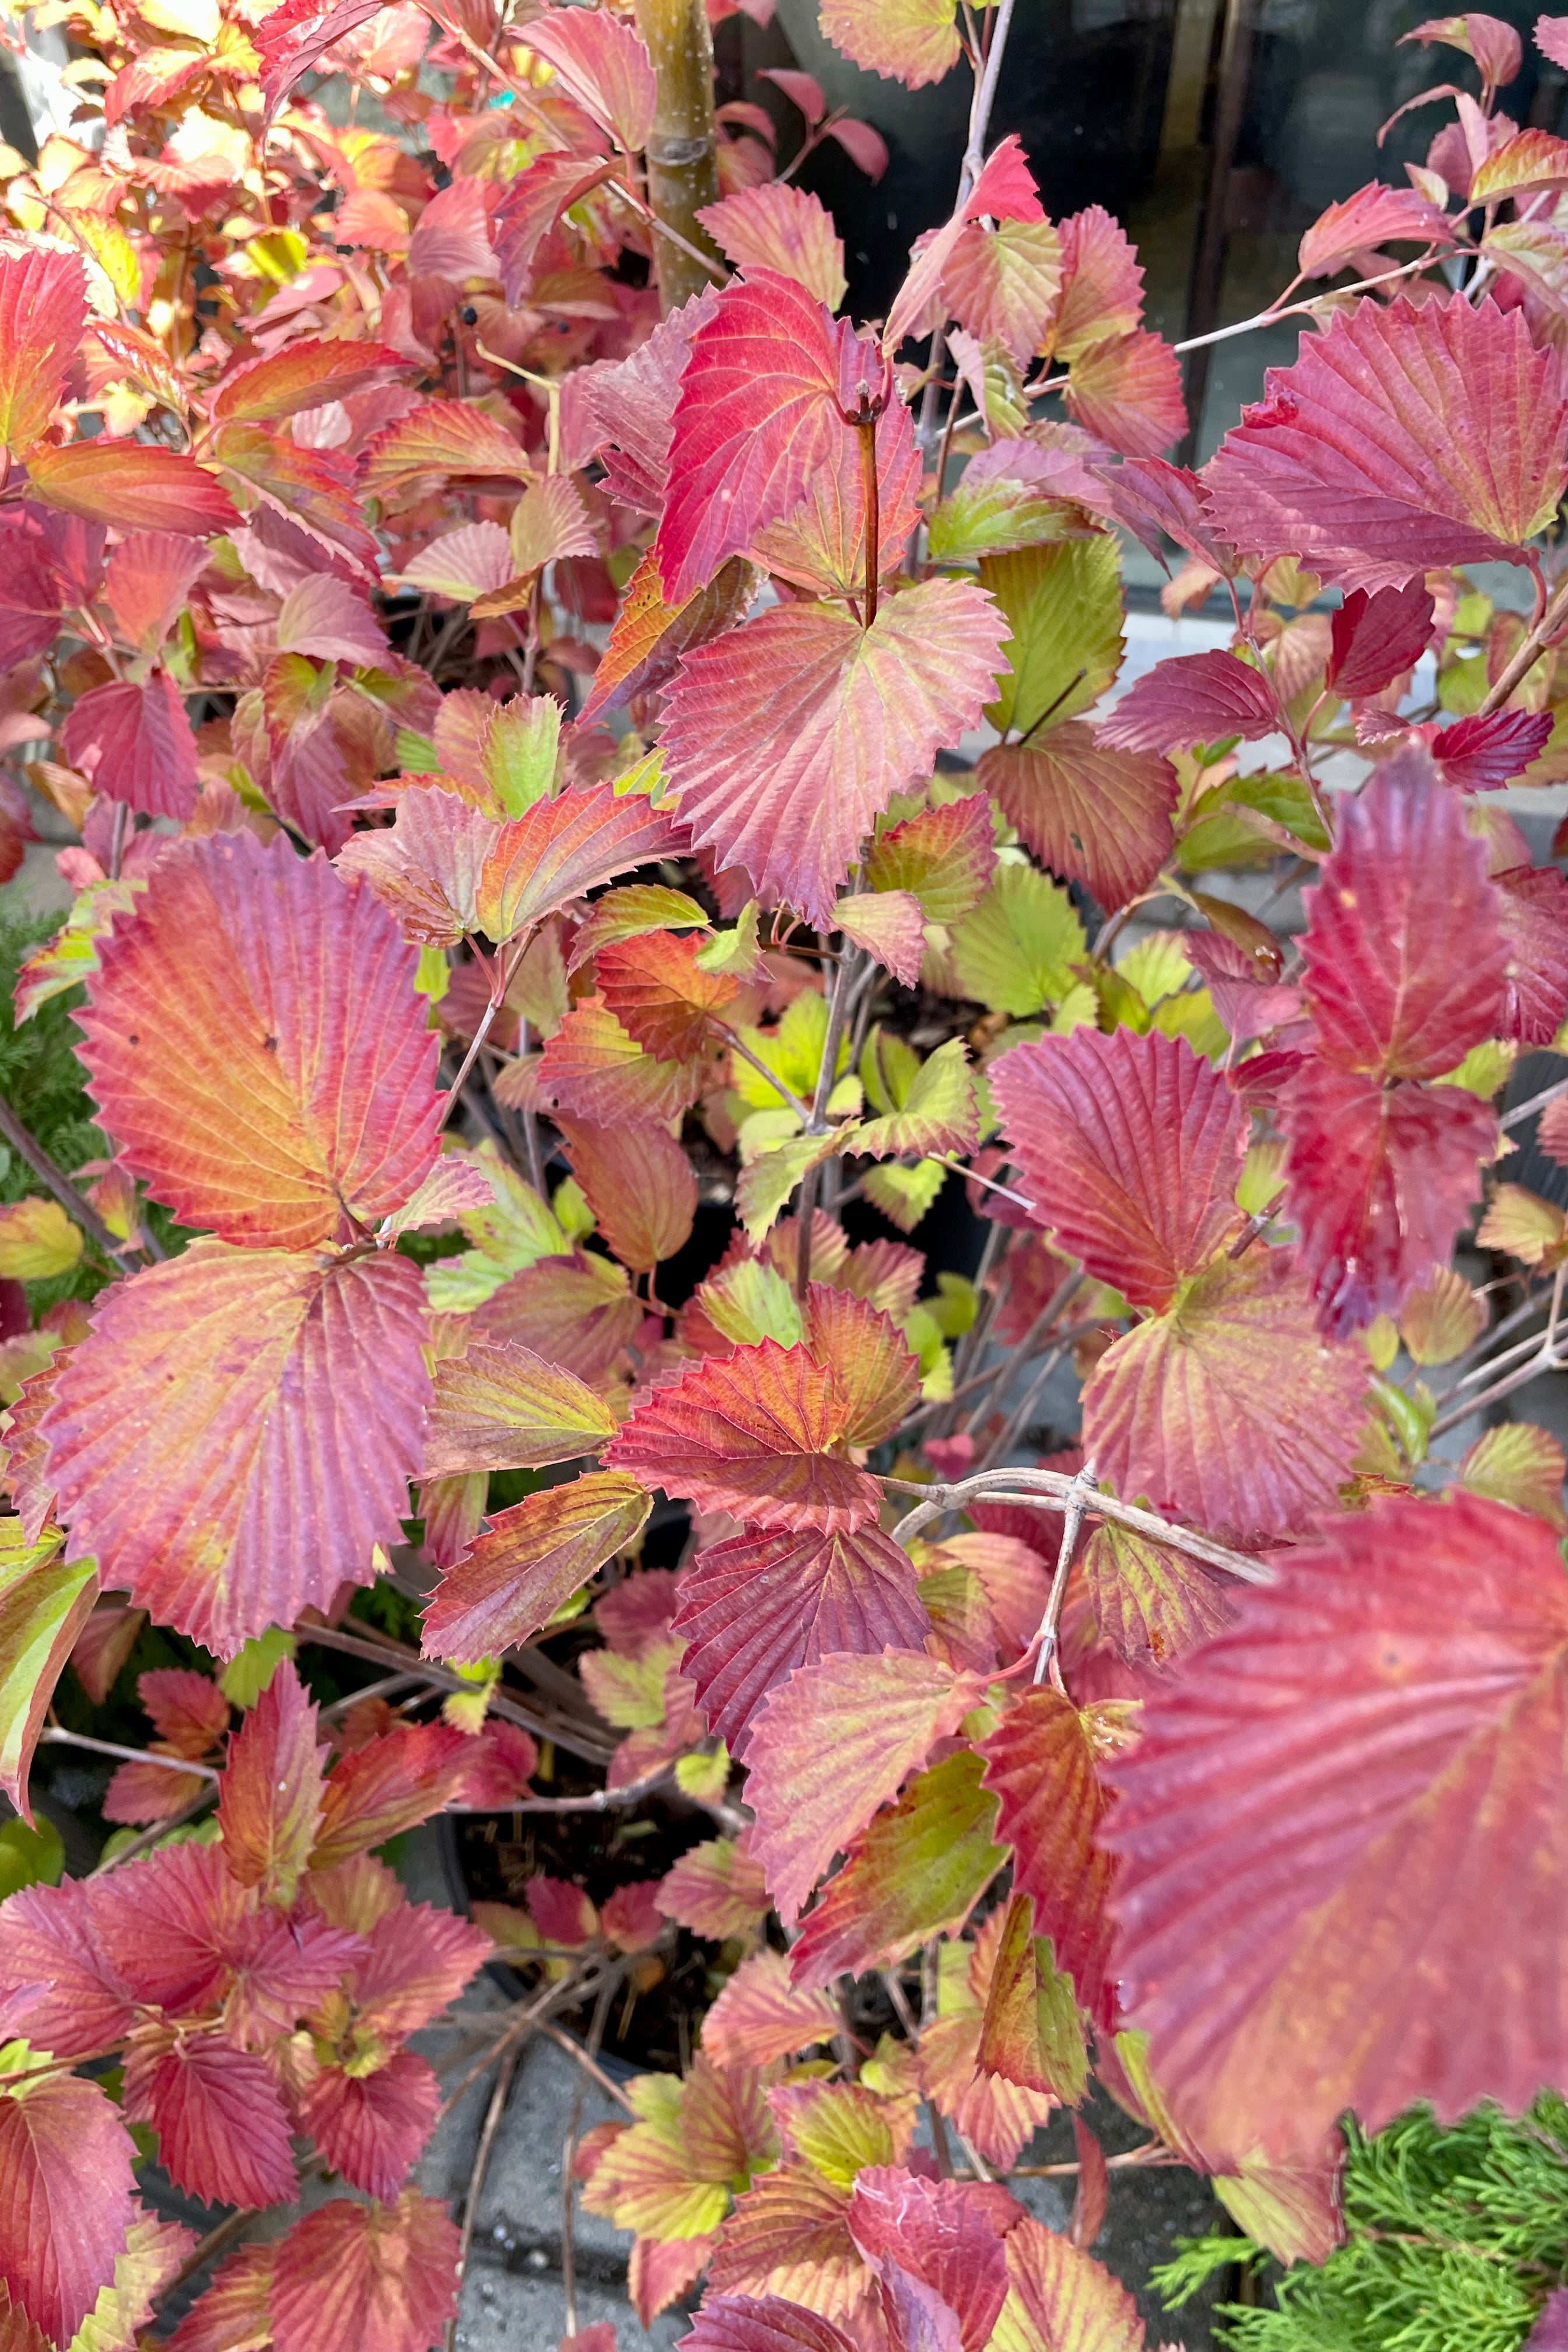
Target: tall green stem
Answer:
[[683, 165]]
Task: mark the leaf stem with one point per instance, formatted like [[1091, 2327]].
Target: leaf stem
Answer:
[[1550, 625], [868, 432]]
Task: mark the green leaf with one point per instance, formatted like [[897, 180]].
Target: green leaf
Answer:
[[29, 1856], [1063, 603], [250, 1670], [934, 1111], [904, 1194], [520, 752], [994, 518], [44, 1602], [1015, 950]]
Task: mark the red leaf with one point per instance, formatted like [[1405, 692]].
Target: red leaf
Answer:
[[1494, 45], [592, 1070], [232, 2312], [148, 580], [135, 485], [1381, 1179], [292, 38], [660, 995], [371, 2128], [1195, 699], [820, 546], [304, 375], [1128, 392], [780, 228], [1091, 814], [650, 636], [441, 441], [1004, 191], [1404, 879], [1102, 283], [786, 738], [324, 617], [760, 1426], [269, 1806], [765, 1602], [1375, 638], [428, 865], [382, 2278], [1131, 1148], [1365, 1767], [236, 1436], [832, 1744], [43, 313], [65, 2189], [1403, 438], [1229, 1410], [716, 1890], [743, 2323], [534, 1558], [395, 1782], [802, 89], [223, 2134], [1377, 215], [580, 1312], [1043, 1763], [943, 2233], [1535, 926], [214, 996], [758, 412], [419, 1959], [188, 1710], [945, 856], [629, 405], [606, 67], [135, 743], [640, 1184], [51, 1939], [31, 591], [760, 2015], [1480, 755]]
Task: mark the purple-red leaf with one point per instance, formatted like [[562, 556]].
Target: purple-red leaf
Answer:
[[65, 2190], [135, 743], [1195, 699], [1375, 638]]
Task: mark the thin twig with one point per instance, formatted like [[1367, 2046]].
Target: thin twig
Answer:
[[1549, 625], [1522, 1111], [1051, 1490], [54, 1734], [48, 1173], [1047, 1661], [477, 2177], [786, 1094], [590, 2065], [145, 1839], [598, 1801], [984, 98], [568, 2204], [383, 1650]]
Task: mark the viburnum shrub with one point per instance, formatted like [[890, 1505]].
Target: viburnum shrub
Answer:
[[494, 627]]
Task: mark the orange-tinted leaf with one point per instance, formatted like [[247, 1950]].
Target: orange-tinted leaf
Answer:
[[1518, 166], [869, 1356], [789, 2236], [639, 1182], [499, 1406], [593, 1071], [787, 737], [231, 2315], [1361, 222], [916, 1872], [236, 1436], [830, 1747], [43, 312], [757, 1606], [761, 2015], [945, 855], [579, 1312], [303, 375], [1009, 2044], [1230, 1410], [444, 440], [535, 1556], [380, 2277], [270, 1805], [149, 578], [779, 227], [1005, 190], [1132, 1149], [1090, 813], [1102, 284], [563, 848], [428, 865], [135, 485], [661, 996], [762, 1428], [396, 1781], [890, 925], [223, 2130], [1060, 2299], [1128, 393], [1001, 284], [716, 1890], [912, 41], [650, 636], [65, 2186], [312, 489], [1149, 1601]]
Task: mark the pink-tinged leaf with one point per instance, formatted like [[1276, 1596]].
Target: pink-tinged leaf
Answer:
[[716, 1890], [832, 1744], [451, 238], [802, 90], [1128, 392], [1131, 1149], [912, 41], [779, 227], [1494, 45], [629, 406], [529, 207], [1535, 926], [326, 618], [1381, 1179], [270, 1805], [303, 375], [1060, 2299], [231, 2315], [398, 1781], [561, 848], [1401, 439], [1481, 754], [1401, 1683], [467, 564], [31, 592], [1042, 1762], [428, 865], [1552, 39], [372, 2128], [650, 636], [236, 1436], [762, 1428], [593, 1071], [1404, 879], [890, 926], [382, 2278], [606, 67], [865, 148], [1155, 501], [757, 1606], [1091, 813], [876, 1373], [65, 2189], [189, 1711], [534, 1558], [757, 412], [135, 743], [222, 2132], [296, 34], [444, 440], [1001, 284], [50, 1940], [1377, 215], [42, 314], [1102, 284], [580, 1312], [149, 578], [1195, 699], [500, 1407], [135, 485], [944, 2234], [1377, 638], [787, 738], [1519, 166], [420, 1958], [1004, 191], [1229, 1410], [820, 547], [761, 2016], [1149, 1602], [640, 1186], [253, 1096], [743, 2323], [945, 856]]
